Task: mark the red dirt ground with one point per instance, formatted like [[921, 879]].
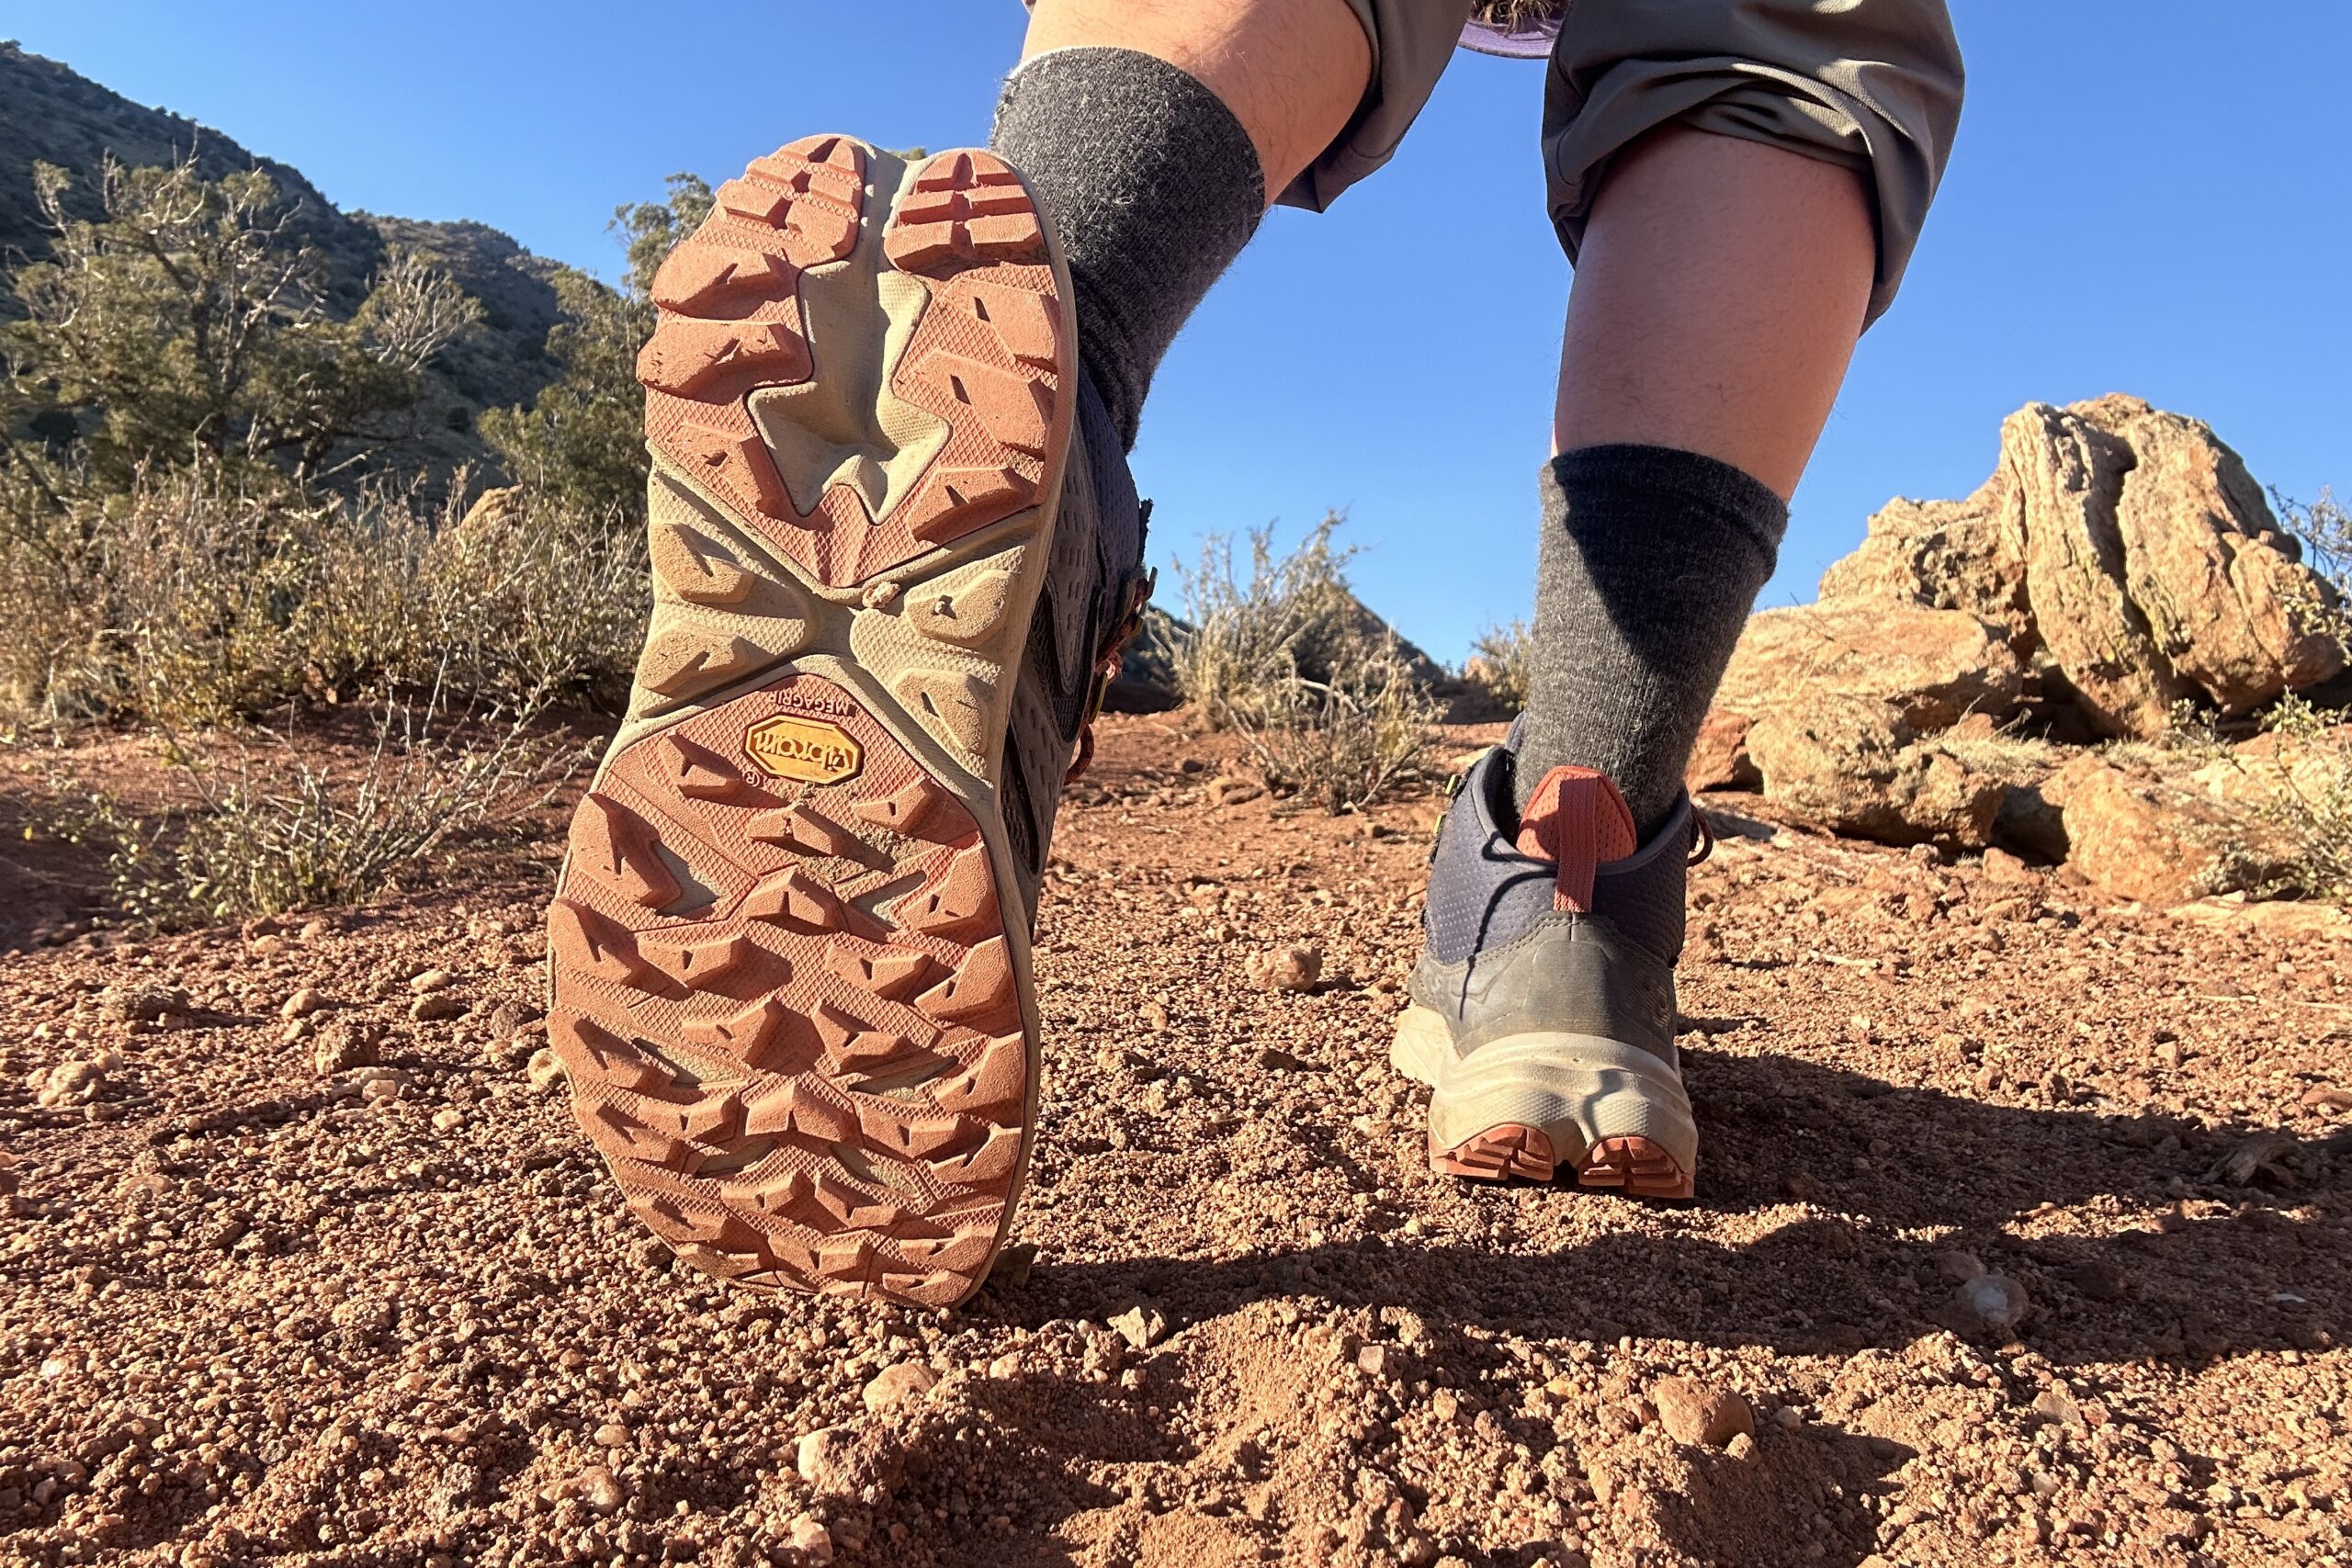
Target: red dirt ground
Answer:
[[254, 1312]]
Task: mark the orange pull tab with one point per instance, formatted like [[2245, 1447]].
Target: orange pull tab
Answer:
[[1578, 821]]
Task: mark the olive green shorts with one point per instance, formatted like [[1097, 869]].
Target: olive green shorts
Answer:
[[1875, 84]]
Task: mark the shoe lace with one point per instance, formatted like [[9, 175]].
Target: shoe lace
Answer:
[[1107, 667], [1703, 840]]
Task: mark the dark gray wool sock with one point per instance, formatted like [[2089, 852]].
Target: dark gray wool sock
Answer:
[[1154, 188], [1651, 559]]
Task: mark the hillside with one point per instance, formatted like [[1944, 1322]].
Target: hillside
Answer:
[[51, 114]]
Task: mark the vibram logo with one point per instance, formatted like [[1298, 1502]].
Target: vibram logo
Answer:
[[809, 749]]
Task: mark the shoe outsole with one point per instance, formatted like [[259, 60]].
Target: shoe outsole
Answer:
[[1506, 1150], [790, 969]]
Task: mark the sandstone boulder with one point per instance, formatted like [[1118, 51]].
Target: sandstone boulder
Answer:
[[1931, 666], [1851, 764], [1720, 759], [494, 511], [2138, 833], [2128, 553]]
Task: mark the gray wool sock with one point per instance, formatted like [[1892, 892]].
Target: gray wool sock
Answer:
[[1154, 188], [1651, 559]]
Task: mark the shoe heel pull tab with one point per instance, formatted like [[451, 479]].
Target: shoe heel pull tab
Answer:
[[1577, 821]]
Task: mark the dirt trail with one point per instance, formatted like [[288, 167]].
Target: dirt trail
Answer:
[[253, 1312]]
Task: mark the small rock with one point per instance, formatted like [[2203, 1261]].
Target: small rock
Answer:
[[821, 1457], [1011, 1270], [1295, 967], [1154, 1017], [344, 1044], [507, 1019], [1959, 1267], [1697, 1412], [1141, 1326], [142, 1004], [1235, 792], [2258, 1155], [2097, 1279], [304, 1002], [593, 1486], [812, 1541], [430, 981], [436, 1006], [905, 1380], [611, 1435], [1991, 1304], [313, 930], [599, 1490], [380, 1085], [1377, 1361], [2002, 866], [545, 1069], [448, 1119], [2057, 1404], [74, 1081], [1742, 1446]]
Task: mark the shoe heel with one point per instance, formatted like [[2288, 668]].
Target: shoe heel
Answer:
[[1615, 1114]]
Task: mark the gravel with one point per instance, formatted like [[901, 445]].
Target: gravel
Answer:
[[396, 1313]]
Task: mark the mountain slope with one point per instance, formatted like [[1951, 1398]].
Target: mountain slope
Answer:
[[51, 114]]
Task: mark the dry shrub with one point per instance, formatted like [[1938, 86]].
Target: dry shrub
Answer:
[[1341, 743], [2306, 803], [255, 830], [191, 601], [1288, 658], [1501, 663]]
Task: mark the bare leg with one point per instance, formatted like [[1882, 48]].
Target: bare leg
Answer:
[[1720, 289], [1718, 297], [1291, 71]]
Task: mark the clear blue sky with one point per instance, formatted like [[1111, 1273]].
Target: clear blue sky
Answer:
[[2147, 197]]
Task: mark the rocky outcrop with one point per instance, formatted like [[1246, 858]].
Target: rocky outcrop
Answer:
[[2119, 563], [1853, 765], [1931, 666], [1825, 704], [2144, 832], [2132, 558]]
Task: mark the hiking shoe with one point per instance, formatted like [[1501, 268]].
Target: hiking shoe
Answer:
[[790, 946], [1542, 1011]]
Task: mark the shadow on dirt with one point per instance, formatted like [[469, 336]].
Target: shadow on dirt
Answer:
[[1880, 1165]]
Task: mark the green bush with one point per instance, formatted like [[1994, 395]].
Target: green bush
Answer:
[[186, 326], [579, 443], [1499, 664]]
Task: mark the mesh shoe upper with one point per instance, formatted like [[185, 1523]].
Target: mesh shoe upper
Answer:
[[1095, 584], [1501, 957]]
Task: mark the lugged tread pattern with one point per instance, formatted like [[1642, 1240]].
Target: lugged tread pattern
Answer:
[[1636, 1167], [985, 366], [758, 1038], [791, 1014], [1498, 1154]]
